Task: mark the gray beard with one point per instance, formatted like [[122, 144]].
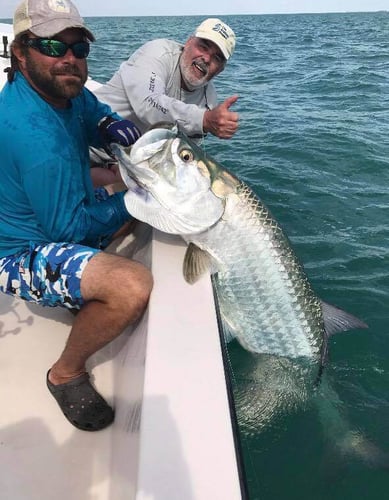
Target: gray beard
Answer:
[[191, 88]]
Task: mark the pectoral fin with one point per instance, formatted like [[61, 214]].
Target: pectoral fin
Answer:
[[196, 263]]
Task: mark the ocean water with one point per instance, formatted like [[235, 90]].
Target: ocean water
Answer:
[[313, 143]]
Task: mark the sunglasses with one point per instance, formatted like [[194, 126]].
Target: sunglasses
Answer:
[[55, 48]]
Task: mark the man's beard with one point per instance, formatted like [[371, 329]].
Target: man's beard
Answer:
[[53, 87], [190, 80]]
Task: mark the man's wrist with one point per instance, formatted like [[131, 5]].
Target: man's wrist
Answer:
[[206, 121]]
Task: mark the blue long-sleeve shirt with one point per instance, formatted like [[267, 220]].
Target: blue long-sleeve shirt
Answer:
[[46, 192]]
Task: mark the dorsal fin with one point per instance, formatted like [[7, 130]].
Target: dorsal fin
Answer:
[[337, 320]]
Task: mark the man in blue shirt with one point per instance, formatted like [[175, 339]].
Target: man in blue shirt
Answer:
[[52, 224]]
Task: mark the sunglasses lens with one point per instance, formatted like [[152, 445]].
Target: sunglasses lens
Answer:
[[80, 50], [52, 48]]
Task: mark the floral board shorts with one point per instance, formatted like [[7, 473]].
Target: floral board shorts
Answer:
[[48, 274]]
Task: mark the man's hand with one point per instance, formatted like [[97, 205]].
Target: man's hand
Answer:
[[122, 132], [220, 121], [105, 176]]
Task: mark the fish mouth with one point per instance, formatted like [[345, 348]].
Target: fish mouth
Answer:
[[153, 140], [133, 160]]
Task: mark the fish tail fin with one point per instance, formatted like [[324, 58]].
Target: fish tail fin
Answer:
[[355, 444], [337, 320], [346, 442]]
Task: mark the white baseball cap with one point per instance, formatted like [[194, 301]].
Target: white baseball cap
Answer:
[[219, 33], [46, 18]]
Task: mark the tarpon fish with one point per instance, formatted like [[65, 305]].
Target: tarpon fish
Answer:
[[265, 299]]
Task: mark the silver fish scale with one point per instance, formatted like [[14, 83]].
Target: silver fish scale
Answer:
[[263, 292]]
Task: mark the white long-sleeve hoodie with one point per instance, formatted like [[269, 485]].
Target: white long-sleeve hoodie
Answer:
[[147, 89]]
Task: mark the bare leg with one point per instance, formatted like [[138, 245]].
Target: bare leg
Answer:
[[116, 291]]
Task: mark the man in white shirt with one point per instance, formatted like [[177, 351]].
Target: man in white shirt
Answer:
[[165, 81]]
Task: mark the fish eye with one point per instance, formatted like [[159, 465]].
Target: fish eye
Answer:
[[186, 155]]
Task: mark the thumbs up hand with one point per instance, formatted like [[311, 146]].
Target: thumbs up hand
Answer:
[[220, 121]]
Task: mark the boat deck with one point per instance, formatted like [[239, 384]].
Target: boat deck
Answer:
[[172, 436]]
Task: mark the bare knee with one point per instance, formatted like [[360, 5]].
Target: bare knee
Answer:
[[137, 284], [123, 283]]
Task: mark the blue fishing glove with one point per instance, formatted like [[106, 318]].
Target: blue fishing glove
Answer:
[[122, 132]]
